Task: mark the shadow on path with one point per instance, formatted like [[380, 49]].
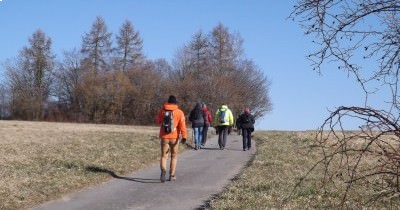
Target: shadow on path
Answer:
[[202, 177], [96, 169]]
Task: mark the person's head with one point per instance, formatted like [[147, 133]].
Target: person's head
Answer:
[[203, 104], [247, 110], [172, 99], [198, 105]]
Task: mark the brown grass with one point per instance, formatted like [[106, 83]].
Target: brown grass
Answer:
[[282, 160], [42, 161]]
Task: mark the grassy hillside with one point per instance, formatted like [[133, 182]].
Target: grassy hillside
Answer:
[[281, 161]]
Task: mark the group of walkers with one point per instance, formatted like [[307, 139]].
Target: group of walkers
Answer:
[[173, 127]]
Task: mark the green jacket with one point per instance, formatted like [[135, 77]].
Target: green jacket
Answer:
[[228, 116]]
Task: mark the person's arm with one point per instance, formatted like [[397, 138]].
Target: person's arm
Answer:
[[216, 118], [238, 122], [182, 126], [209, 117], [190, 116], [182, 130], [230, 118], [159, 117], [205, 117]]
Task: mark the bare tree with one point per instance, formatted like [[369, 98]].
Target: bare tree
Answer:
[[200, 52], [4, 102], [96, 49], [30, 77], [143, 100], [349, 30], [69, 76], [162, 67], [226, 48], [253, 90], [130, 46], [355, 34], [213, 69], [96, 45]]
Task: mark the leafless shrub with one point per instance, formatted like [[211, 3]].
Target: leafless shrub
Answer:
[[355, 34], [370, 156]]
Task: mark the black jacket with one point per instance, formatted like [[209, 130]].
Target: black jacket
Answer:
[[198, 117], [245, 120]]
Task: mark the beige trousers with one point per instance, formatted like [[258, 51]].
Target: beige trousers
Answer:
[[169, 146]]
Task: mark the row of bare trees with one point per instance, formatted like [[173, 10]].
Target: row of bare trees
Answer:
[[109, 79]]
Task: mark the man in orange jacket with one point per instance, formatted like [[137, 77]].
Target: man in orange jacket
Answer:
[[173, 126]]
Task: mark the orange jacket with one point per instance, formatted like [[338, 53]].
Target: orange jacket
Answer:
[[179, 122]]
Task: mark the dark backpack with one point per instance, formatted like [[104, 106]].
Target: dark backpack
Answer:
[[168, 121], [197, 115], [246, 118], [221, 116]]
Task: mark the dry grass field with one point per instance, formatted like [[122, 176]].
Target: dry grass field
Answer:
[[281, 161], [41, 161]]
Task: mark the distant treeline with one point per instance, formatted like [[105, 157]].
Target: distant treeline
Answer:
[[109, 79]]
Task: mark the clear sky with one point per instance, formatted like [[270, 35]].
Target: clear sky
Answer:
[[301, 98]]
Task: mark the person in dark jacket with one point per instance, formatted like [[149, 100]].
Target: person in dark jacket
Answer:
[[199, 119], [246, 123]]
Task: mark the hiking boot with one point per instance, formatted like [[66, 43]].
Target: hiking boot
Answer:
[[162, 177], [172, 178]]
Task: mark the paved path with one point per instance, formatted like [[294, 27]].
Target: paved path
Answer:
[[200, 175]]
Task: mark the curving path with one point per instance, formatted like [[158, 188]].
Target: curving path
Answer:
[[200, 175]]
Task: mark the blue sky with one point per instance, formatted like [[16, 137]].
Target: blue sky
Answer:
[[301, 98]]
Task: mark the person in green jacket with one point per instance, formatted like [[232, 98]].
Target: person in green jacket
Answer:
[[223, 121]]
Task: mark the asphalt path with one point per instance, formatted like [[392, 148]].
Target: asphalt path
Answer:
[[200, 175]]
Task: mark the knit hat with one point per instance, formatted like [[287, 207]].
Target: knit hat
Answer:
[[203, 104], [172, 99], [247, 110]]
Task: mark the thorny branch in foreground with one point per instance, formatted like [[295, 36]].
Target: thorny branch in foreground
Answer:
[[355, 34], [370, 155], [348, 31]]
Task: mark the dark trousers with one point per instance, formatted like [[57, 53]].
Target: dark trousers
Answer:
[[222, 133], [204, 139], [246, 133]]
